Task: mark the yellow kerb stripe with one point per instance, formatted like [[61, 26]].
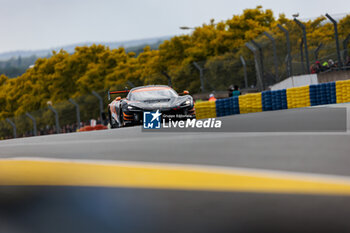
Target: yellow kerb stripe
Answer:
[[159, 176]]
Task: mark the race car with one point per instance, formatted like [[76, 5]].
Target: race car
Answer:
[[129, 111]]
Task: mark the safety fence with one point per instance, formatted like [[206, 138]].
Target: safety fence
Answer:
[[78, 114], [286, 50], [297, 97]]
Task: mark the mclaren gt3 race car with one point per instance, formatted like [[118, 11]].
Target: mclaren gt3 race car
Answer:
[[129, 111]]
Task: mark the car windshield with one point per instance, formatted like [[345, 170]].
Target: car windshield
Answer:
[[152, 94]]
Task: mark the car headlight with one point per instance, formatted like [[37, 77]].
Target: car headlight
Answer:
[[132, 108], [188, 102]]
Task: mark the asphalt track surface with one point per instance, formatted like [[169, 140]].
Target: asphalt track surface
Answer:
[[279, 146]]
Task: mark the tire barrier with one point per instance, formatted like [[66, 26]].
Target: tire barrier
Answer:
[[343, 91], [274, 100], [206, 109], [92, 128], [323, 93], [225, 107], [298, 97], [250, 103]]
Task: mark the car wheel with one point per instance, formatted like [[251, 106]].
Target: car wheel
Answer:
[[113, 123]]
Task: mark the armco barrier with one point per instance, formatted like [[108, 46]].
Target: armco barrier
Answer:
[[296, 97]]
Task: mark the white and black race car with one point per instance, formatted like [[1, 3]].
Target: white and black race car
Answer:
[[129, 111]]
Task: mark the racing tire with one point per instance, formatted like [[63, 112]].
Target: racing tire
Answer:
[[113, 123]]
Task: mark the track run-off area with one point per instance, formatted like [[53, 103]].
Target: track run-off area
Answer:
[[282, 171]]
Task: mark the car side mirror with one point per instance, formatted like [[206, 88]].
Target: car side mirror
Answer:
[[118, 98], [186, 92]]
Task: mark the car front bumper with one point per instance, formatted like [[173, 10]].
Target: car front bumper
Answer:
[[179, 113]]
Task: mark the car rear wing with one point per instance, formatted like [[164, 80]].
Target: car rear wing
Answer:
[[116, 92]]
